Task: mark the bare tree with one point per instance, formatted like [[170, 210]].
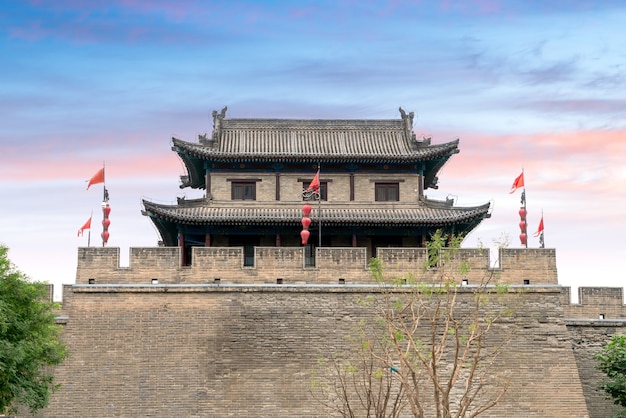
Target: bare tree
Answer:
[[427, 348]]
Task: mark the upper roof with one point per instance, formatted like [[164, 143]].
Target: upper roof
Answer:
[[303, 141], [311, 140]]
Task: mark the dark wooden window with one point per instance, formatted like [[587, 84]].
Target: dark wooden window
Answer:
[[387, 192], [309, 255], [243, 190]]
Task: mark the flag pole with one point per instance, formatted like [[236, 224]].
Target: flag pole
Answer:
[[542, 243], [319, 208], [104, 201], [105, 208], [104, 184], [89, 233], [525, 211]]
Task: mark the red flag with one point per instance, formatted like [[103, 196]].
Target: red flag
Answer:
[[86, 226], [97, 178], [540, 229], [315, 183], [519, 182]]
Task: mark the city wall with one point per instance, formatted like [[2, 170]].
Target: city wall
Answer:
[[252, 350], [102, 265], [156, 338]]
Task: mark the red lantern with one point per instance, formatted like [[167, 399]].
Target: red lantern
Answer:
[[306, 209], [105, 236], [522, 213], [306, 222], [522, 226], [304, 234], [105, 223], [522, 238]]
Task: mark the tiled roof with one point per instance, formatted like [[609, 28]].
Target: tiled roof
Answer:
[[424, 215], [315, 140]]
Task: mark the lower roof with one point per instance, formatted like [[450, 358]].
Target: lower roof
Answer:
[[201, 212]]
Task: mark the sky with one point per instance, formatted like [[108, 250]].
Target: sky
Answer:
[[525, 85]]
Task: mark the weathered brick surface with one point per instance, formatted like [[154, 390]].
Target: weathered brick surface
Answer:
[[588, 337], [208, 350]]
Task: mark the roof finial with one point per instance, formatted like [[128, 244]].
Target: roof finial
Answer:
[[217, 123], [408, 122]]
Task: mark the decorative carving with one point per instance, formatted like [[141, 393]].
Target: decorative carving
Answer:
[[408, 122], [217, 123]]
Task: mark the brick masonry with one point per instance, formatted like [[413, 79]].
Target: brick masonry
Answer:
[[245, 346], [229, 350], [101, 265]]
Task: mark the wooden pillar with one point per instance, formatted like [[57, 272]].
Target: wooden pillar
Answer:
[[351, 186], [181, 244], [420, 182], [277, 186], [354, 240], [207, 183], [207, 239], [278, 243]]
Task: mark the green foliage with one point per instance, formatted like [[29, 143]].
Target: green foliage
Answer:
[[376, 268], [434, 246], [422, 349], [29, 340], [612, 362], [502, 288], [464, 268], [366, 301]]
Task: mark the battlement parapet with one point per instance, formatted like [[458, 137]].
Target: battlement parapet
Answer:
[[350, 264], [595, 303]]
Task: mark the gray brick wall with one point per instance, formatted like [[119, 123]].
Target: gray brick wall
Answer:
[[208, 350], [588, 337]]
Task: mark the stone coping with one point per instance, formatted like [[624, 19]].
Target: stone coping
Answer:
[[595, 322], [285, 287]]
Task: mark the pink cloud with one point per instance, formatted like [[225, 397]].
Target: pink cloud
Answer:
[[128, 165], [585, 162]]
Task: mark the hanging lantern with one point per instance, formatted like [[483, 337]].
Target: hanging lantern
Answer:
[[523, 225], [304, 234], [106, 211], [306, 222], [306, 209]]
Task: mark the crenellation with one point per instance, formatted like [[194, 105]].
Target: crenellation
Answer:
[[536, 265], [606, 296], [351, 263], [154, 258], [96, 262], [597, 303]]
